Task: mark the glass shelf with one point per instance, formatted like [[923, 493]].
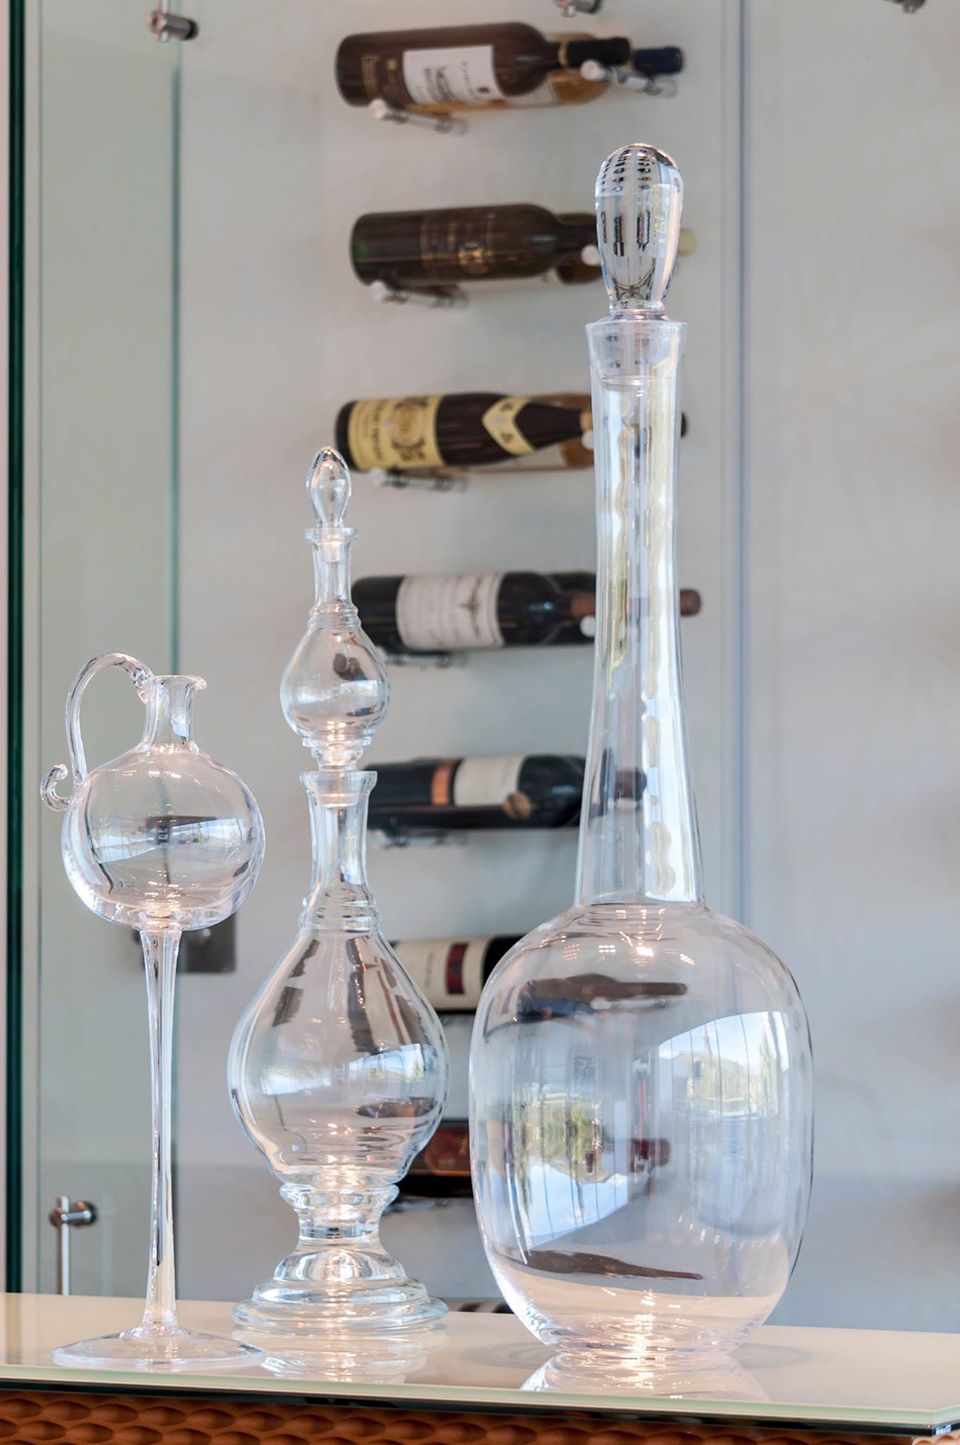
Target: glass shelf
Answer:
[[882, 1380]]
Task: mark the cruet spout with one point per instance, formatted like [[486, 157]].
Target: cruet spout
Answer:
[[334, 687]]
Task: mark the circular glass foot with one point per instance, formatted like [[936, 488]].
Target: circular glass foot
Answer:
[[711, 1376], [307, 1312], [159, 1347]]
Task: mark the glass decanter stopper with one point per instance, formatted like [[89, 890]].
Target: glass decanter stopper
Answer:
[[641, 1074], [160, 839], [338, 1068]]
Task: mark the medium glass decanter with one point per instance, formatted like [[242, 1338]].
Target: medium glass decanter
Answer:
[[641, 1073], [160, 839], [338, 1068]]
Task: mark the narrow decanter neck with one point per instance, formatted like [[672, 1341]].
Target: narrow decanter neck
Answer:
[[331, 570], [339, 898], [169, 702], [638, 831]]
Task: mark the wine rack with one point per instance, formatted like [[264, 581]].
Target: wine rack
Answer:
[[288, 167]]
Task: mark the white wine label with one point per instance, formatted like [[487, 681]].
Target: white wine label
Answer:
[[465, 74], [449, 972], [543, 94], [394, 432], [443, 614], [500, 421], [486, 782]]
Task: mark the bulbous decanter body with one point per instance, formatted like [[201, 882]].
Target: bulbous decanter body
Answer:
[[338, 1068], [641, 1073]]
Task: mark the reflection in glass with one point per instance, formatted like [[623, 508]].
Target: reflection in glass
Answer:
[[159, 839], [641, 1075]]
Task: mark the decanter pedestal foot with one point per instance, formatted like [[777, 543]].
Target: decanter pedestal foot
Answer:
[[159, 1348], [279, 1308]]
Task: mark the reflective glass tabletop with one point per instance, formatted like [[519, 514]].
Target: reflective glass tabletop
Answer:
[[880, 1380]]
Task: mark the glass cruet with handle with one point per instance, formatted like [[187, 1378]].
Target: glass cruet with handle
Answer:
[[338, 1067], [160, 839], [641, 1073]]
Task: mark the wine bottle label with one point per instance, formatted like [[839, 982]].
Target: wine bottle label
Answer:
[[443, 614], [487, 782], [500, 421], [457, 244], [394, 432], [450, 973], [546, 93], [465, 74]]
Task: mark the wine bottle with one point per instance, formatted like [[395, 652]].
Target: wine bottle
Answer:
[[465, 611], [442, 1169], [437, 794], [424, 249], [472, 611], [451, 972], [584, 265], [582, 629], [460, 429], [464, 65]]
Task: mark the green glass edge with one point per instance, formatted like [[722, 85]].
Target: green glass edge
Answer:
[[14, 920]]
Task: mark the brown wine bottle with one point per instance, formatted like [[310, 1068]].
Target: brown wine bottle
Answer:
[[473, 611], [438, 794], [466, 611], [464, 65], [424, 249], [461, 429]]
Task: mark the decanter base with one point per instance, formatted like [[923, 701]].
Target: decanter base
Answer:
[[159, 1348], [675, 1373], [279, 1309]]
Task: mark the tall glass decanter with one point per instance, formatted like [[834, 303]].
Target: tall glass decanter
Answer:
[[338, 1068], [641, 1073]]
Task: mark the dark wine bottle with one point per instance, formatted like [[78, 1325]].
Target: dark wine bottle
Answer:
[[581, 628], [461, 429], [437, 794], [465, 611], [424, 249], [451, 972], [442, 1168], [463, 65], [473, 611]]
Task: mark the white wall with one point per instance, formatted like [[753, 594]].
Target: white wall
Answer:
[[276, 335], [828, 802], [853, 772]]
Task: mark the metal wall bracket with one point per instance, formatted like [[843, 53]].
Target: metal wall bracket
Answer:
[[442, 123], [65, 1215], [439, 297], [162, 23]]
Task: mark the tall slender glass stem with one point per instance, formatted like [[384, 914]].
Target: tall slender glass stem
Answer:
[[638, 831], [160, 965]]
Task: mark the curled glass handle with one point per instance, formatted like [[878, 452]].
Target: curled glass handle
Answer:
[[76, 768]]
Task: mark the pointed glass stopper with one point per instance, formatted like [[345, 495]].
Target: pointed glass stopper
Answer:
[[639, 199], [334, 687]]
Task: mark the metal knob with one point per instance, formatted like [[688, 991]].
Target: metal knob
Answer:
[[639, 203]]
